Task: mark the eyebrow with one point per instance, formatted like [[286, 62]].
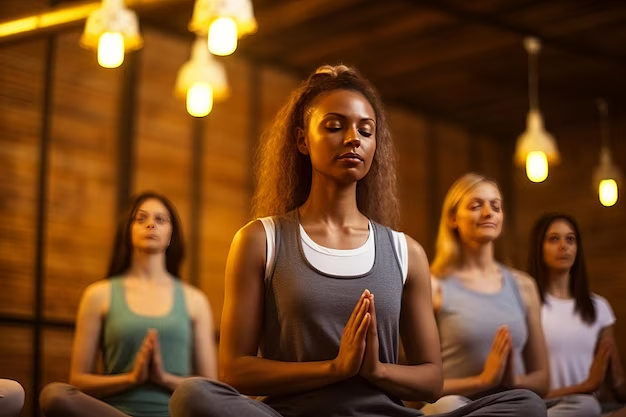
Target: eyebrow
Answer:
[[345, 117]]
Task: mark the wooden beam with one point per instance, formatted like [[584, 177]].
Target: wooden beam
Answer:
[[62, 17]]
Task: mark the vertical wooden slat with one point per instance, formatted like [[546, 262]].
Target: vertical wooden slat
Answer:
[[82, 178], [21, 85], [42, 208]]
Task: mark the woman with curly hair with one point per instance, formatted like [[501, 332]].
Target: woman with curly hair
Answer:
[[320, 284]]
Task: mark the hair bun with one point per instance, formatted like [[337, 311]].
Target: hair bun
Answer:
[[333, 70]]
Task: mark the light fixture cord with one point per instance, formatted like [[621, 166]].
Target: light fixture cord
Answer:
[[604, 122], [533, 88]]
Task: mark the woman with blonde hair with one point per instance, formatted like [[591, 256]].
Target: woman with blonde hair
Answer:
[[301, 279], [488, 315]]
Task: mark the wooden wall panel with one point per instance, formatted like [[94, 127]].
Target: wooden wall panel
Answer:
[[226, 171], [82, 179], [453, 156], [568, 189], [276, 87], [410, 136], [21, 79], [163, 130], [16, 350], [57, 352]]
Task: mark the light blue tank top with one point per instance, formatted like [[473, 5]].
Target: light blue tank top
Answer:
[[468, 321], [122, 335]]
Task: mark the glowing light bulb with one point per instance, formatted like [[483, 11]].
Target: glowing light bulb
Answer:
[[536, 166], [111, 50], [199, 99], [223, 36], [607, 191]]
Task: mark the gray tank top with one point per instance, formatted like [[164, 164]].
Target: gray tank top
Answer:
[[305, 314], [468, 321]]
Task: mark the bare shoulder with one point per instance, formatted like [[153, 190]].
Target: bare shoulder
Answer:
[[415, 250], [97, 296], [195, 297], [418, 261], [527, 286], [254, 231]]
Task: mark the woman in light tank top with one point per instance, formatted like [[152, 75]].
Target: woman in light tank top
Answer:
[[578, 324], [319, 294], [489, 316], [151, 329]]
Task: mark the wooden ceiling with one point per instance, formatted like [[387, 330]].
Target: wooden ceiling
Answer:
[[458, 60]]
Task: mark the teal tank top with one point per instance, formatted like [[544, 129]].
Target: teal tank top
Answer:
[[122, 335]]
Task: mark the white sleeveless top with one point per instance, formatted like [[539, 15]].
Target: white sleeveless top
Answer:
[[571, 342], [341, 262]]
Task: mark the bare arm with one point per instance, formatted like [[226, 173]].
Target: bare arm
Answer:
[[421, 378], [537, 377], [616, 371], [241, 327], [93, 306]]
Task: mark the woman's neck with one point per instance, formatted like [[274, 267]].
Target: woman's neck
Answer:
[[331, 204], [558, 284], [148, 266], [477, 257]]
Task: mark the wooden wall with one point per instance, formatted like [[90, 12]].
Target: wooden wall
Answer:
[[77, 139]]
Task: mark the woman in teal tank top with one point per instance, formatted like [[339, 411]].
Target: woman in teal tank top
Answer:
[[151, 329]]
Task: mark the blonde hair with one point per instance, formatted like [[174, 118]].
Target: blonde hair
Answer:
[[448, 245], [284, 175]]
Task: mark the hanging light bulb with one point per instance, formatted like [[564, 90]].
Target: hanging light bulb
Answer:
[[535, 148], [223, 21], [199, 99], [111, 50], [111, 30], [201, 80], [606, 175]]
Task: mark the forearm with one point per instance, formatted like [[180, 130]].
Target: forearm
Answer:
[[101, 386], [467, 387], [537, 381], [170, 381], [252, 375], [409, 382], [582, 388]]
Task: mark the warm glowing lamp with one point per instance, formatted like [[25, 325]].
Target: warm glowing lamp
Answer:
[[112, 30], [535, 148], [606, 176], [223, 22], [201, 80]]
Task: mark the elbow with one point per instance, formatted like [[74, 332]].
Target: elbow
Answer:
[[436, 390]]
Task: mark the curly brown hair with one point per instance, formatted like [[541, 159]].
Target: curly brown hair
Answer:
[[283, 174]]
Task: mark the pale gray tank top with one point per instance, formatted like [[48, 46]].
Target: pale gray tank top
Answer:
[[468, 321], [305, 314]]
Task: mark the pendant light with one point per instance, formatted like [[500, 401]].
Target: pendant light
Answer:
[[535, 148], [111, 30], [606, 176], [222, 22], [201, 80]]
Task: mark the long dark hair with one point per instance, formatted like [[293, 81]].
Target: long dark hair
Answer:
[[284, 174], [578, 283], [123, 246]]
